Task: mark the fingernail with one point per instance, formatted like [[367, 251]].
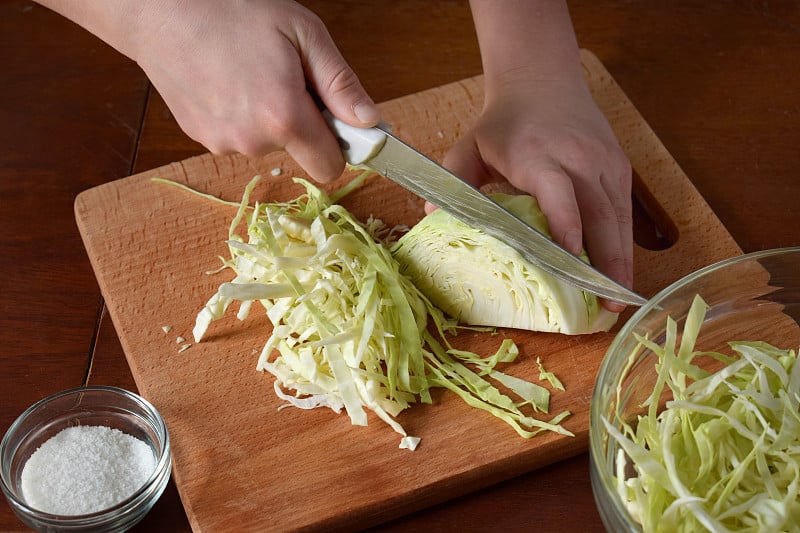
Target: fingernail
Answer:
[[573, 241], [367, 112], [614, 307]]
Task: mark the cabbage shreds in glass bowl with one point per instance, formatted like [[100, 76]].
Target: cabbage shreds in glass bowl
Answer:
[[695, 422]]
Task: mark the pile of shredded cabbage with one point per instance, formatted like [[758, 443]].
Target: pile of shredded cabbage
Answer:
[[724, 454], [349, 331]]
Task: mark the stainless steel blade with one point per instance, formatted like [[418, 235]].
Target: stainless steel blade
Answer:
[[429, 180]]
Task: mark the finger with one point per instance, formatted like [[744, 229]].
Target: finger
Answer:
[[618, 189], [624, 218], [615, 183], [549, 183], [289, 118], [602, 185], [335, 82], [311, 143], [604, 242]]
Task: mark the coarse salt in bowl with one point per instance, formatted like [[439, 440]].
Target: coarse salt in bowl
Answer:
[[89, 459], [754, 297]]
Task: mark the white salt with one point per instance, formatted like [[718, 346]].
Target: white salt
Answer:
[[85, 469]]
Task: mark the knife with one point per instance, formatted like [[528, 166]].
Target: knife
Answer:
[[379, 150]]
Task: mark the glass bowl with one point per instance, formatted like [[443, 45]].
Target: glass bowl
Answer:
[[87, 406], [753, 297]]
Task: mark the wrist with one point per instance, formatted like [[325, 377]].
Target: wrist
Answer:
[[138, 23], [122, 24], [526, 41]]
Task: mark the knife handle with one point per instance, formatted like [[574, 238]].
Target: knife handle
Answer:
[[358, 144]]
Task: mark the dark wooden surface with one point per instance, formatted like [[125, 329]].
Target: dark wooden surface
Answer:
[[719, 82]]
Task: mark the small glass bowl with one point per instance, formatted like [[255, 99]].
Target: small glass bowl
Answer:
[[87, 406], [752, 297]]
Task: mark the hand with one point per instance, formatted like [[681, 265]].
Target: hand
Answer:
[[549, 139], [234, 75]]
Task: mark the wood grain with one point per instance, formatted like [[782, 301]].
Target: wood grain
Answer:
[[717, 82], [43, 166], [149, 245]]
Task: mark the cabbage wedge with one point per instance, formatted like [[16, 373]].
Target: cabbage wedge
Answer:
[[482, 281]]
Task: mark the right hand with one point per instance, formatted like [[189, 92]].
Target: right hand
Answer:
[[235, 76]]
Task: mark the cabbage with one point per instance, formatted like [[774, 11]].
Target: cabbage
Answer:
[[724, 453], [480, 280], [349, 330]]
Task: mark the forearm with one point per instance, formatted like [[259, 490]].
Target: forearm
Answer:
[[525, 40], [116, 22]]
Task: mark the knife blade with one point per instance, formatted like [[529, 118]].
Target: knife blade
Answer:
[[387, 155]]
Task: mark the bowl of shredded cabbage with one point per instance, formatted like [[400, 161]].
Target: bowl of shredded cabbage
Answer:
[[695, 416], [89, 459]]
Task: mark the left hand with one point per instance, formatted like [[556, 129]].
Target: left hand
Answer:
[[549, 139]]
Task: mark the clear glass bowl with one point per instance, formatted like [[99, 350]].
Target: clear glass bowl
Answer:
[[753, 297], [86, 406]]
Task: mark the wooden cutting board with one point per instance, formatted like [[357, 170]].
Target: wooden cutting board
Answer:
[[240, 460]]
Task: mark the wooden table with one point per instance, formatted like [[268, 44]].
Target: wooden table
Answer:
[[719, 82]]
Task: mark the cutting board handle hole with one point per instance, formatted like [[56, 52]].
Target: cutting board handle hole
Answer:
[[652, 227]]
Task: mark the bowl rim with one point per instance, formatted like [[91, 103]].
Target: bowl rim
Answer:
[[596, 434], [123, 508]]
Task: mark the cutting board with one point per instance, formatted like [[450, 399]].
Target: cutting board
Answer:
[[238, 459]]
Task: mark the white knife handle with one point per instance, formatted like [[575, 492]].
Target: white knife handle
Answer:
[[358, 144]]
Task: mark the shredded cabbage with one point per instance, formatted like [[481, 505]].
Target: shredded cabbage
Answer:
[[480, 280], [724, 453], [349, 330]]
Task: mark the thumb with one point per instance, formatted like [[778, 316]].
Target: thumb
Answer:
[[337, 85]]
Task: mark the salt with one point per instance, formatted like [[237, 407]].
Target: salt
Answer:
[[85, 469]]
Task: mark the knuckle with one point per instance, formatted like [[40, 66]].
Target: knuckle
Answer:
[[529, 138], [306, 25], [582, 157], [218, 148], [252, 148], [620, 165], [342, 81], [602, 211], [309, 23], [251, 141], [624, 218], [617, 266], [283, 124], [553, 179], [215, 142]]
